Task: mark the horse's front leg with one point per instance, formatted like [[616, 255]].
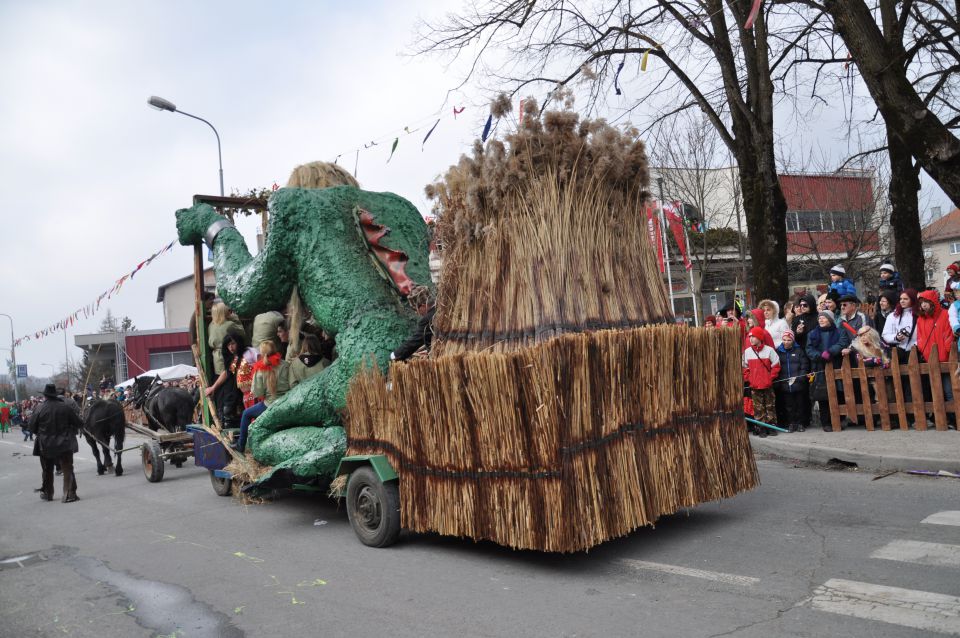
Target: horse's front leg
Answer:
[[118, 441], [96, 454]]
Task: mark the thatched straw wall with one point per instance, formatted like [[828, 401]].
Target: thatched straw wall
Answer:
[[564, 445]]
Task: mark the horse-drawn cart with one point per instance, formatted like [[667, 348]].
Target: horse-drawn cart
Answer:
[[175, 447]]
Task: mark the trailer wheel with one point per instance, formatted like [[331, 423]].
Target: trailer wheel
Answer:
[[221, 486], [152, 461], [373, 508]]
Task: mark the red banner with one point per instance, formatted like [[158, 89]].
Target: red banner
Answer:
[[676, 227], [653, 228]]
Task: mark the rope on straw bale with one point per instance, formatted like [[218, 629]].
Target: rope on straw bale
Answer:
[[564, 445]]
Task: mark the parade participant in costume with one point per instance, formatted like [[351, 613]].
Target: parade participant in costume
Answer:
[[56, 427], [271, 380], [309, 362], [840, 283], [221, 324], [422, 301], [761, 365], [890, 279], [229, 397], [245, 376], [4, 416]]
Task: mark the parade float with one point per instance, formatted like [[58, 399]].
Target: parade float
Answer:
[[559, 406]]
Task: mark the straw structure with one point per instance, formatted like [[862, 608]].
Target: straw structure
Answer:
[[560, 446]]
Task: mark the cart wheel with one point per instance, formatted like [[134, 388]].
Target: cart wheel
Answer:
[[220, 485], [373, 508], [152, 461]]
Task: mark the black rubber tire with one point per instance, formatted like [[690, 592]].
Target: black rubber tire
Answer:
[[373, 508], [150, 453], [222, 486]]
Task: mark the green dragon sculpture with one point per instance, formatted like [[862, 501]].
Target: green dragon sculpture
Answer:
[[315, 241]]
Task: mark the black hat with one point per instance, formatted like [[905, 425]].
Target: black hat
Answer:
[[50, 391], [833, 294], [852, 298]]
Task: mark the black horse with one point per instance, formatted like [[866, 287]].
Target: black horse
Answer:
[[167, 408], [105, 420]]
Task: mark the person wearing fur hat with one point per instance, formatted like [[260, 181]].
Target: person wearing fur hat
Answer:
[[839, 281], [772, 321], [761, 365], [756, 319], [890, 278], [792, 391], [823, 349]]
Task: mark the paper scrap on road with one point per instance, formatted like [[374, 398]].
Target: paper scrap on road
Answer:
[[720, 577]]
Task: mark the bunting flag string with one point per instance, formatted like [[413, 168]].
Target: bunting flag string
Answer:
[[394, 147], [486, 128], [429, 133], [752, 16], [457, 111], [91, 308], [616, 77]]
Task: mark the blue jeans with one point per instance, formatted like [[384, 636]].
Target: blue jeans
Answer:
[[947, 386], [249, 415]]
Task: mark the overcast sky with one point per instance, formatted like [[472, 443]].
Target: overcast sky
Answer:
[[91, 175]]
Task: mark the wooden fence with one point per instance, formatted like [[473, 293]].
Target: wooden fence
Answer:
[[882, 392]]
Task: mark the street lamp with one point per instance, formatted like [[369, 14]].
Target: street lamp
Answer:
[[52, 369], [166, 105], [13, 355]]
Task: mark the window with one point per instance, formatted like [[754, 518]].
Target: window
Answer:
[[810, 220], [955, 248], [167, 359], [929, 275], [793, 224]]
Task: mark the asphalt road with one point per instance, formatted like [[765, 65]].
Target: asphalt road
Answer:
[[809, 553]]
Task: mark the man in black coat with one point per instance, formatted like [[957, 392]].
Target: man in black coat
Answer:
[[56, 427]]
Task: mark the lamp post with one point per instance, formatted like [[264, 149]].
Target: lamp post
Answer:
[[13, 355], [52, 369], [166, 105]]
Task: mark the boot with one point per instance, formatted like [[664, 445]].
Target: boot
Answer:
[[792, 428], [763, 432]]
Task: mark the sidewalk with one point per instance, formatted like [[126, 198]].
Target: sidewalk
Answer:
[[876, 451]]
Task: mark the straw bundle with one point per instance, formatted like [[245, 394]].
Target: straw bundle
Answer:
[[563, 445], [544, 236]]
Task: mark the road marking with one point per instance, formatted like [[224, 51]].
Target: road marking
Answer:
[[905, 607], [720, 577], [943, 518], [937, 554]]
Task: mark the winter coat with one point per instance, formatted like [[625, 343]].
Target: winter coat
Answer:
[[777, 326], [821, 341], [809, 320], [894, 324], [793, 363], [760, 367], [894, 283], [260, 389], [56, 427], [843, 287], [954, 314], [934, 329]]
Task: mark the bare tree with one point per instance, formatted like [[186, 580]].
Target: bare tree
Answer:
[[713, 61]]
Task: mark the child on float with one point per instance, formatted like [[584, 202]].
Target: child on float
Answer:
[[271, 380]]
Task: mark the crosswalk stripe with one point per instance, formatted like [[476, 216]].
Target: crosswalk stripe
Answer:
[[923, 610], [936, 554], [720, 577], [943, 518]]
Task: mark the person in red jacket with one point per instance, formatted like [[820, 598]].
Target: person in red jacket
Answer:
[[761, 366], [933, 328]]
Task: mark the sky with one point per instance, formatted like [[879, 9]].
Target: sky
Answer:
[[91, 175]]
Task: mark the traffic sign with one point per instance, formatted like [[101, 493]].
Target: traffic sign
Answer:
[[21, 371]]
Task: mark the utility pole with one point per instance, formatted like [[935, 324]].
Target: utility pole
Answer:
[[13, 355], [666, 246]]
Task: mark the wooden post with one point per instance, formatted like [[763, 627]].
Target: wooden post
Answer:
[[832, 396], [201, 329], [883, 401], [936, 389], [849, 396], [897, 376], [916, 389], [865, 396]]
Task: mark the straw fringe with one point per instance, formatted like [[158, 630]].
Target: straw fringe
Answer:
[[564, 445]]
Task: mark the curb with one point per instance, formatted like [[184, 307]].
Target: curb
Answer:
[[822, 455]]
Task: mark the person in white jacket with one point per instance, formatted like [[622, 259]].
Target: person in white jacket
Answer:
[[774, 324], [900, 329]]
